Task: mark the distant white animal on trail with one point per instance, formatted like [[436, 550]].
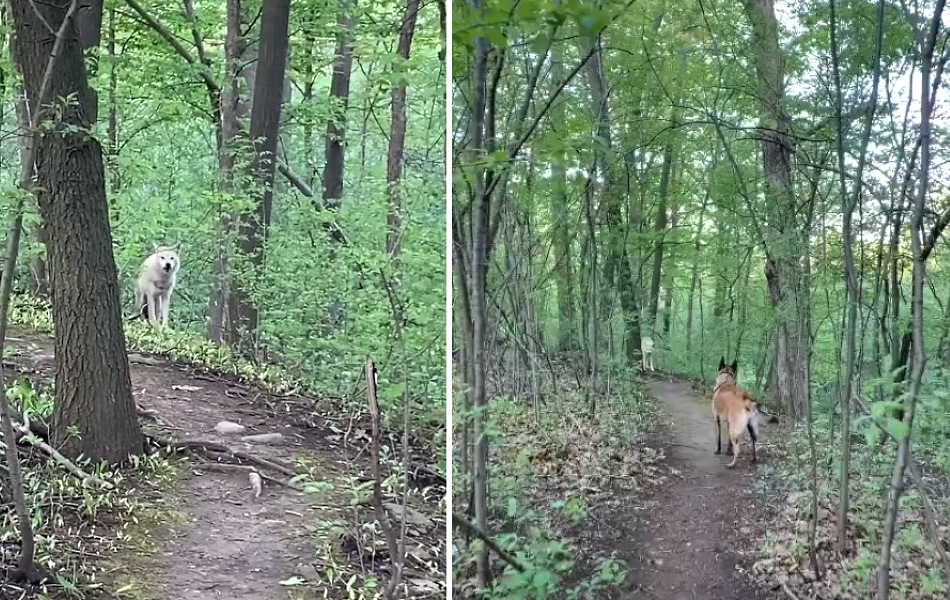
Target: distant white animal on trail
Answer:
[[157, 278], [646, 347]]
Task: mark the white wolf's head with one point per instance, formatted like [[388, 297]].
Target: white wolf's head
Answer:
[[167, 259]]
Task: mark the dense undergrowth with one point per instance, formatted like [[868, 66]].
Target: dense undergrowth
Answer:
[[546, 469], [782, 555]]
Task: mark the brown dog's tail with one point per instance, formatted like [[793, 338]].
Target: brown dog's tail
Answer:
[[752, 405], [772, 417]]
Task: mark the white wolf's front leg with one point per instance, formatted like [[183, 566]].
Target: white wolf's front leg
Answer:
[[166, 307], [153, 317]]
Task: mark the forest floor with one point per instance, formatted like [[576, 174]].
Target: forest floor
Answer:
[[683, 527], [212, 538]]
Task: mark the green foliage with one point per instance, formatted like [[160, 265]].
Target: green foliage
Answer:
[[323, 307], [542, 528], [37, 403]]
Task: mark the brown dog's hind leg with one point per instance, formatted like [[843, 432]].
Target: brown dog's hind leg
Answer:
[[753, 436], [735, 449], [718, 436]]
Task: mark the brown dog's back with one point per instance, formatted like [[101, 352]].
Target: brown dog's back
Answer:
[[737, 408]]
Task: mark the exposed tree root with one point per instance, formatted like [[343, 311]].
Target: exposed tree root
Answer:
[[214, 449], [36, 575]]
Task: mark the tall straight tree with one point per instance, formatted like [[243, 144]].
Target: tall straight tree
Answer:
[[397, 135], [788, 223], [339, 100], [265, 125], [93, 387]]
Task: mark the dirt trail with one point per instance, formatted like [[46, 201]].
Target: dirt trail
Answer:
[[684, 548], [219, 541]]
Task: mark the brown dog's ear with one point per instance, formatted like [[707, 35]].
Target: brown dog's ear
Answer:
[[722, 363], [735, 366]]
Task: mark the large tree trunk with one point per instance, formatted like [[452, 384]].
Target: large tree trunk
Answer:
[[89, 24], [333, 167], [265, 125], [669, 282], [618, 271], [560, 232], [397, 136], [231, 110], [694, 277], [93, 388], [786, 233]]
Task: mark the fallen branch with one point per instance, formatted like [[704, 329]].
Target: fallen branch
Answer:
[[369, 370], [471, 528], [55, 455]]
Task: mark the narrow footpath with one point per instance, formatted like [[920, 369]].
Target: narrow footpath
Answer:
[[683, 545]]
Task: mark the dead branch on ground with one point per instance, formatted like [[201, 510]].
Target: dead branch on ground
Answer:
[[55, 455], [385, 524], [470, 528]]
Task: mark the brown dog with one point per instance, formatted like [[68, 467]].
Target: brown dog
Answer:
[[738, 408]]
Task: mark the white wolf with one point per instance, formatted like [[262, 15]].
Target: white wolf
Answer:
[[646, 346], [153, 292]]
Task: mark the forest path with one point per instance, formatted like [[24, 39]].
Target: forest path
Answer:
[[685, 548], [215, 539]]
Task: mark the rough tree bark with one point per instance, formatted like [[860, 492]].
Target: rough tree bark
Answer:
[[93, 387], [669, 278], [618, 272], [659, 229], [265, 125], [480, 220], [333, 167], [560, 232], [89, 24], [694, 276], [230, 109], [786, 241], [397, 136]]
